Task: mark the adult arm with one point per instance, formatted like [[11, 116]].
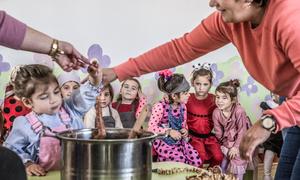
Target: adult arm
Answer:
[[12, 31], [206, 37], [288, 113], [15, 34]]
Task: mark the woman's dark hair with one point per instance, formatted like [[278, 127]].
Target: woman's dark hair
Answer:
[[202, 72], [167, 86], [262, 3], [229, 87], [136, 101], [30, 76]]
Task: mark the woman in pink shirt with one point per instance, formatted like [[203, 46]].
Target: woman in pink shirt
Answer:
[[266, 34], [15, 34]]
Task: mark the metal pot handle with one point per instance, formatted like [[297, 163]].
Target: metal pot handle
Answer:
[[54, 133], [161, 136]]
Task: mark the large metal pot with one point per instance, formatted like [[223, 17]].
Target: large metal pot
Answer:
[[112, 158]]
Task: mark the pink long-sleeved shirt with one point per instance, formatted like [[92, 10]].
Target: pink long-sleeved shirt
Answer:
[[12, 31], [229, 131], [270, 53]]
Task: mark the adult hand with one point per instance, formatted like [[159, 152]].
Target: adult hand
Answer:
[[108, 75], [252, 138], [95, 73], [35, 170], [71, 59]]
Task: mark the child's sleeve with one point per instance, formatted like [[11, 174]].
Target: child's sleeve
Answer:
[[155, 119], [241, 123], [117, 118], [142, 104], [18, 140], [89, 118], [82, 100], [217, 125]]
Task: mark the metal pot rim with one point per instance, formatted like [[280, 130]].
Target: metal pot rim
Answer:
[[62, 136]]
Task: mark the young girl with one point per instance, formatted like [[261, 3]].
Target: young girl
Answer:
[[12, 106], [169, 117], [130, 102], [68, 82], [38, 89], [230, 124], [110, 115], [200, 107]]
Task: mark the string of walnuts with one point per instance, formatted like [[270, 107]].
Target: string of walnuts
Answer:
[[214, 173]]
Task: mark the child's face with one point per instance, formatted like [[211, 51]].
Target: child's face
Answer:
[[46, 99], [68, 88], [129, 90], [105, 98], [202, 85], [183, 98], [223, 101]]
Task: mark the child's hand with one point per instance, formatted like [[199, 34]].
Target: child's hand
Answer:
[[233, 152], [95, 73], [35, 170], [175, 134], [184, 132]]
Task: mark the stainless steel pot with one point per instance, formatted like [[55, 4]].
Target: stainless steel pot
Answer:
[[113, 158]]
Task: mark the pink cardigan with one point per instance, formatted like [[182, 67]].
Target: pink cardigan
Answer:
[[12, 31], [229, 131]]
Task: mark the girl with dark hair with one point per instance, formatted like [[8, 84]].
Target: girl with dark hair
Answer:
[[111, 116], [230, 124], [130, 102], [169, 117]]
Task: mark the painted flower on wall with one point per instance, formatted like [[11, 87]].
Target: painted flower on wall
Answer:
[[249, 87], [254, 110], [4, 66], [268, 97], [235, 71], [217, 74], [95, 52]]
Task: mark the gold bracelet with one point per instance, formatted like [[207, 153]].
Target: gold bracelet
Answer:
[[54, 51]]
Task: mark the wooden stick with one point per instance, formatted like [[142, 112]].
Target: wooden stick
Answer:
[[138, 123], [99, 122]]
